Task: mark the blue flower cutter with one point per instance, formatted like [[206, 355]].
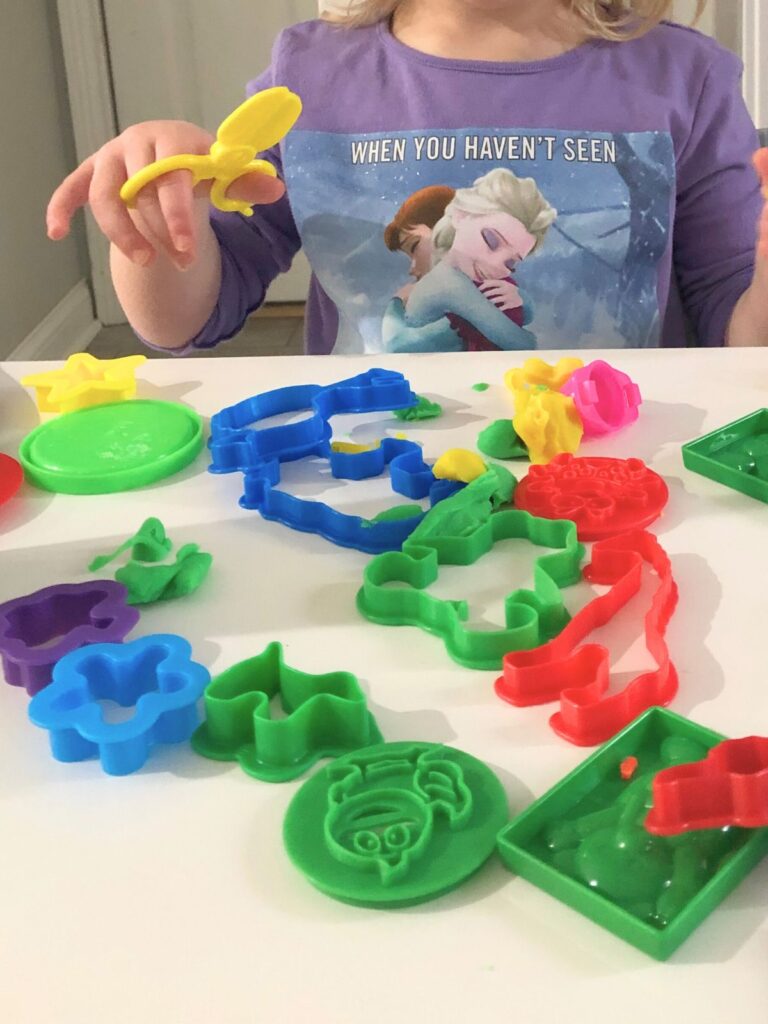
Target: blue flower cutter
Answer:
[[154, 673]]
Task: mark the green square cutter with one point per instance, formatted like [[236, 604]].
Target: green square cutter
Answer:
[[525, 845], [735, 456]]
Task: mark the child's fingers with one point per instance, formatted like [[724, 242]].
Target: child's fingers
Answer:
[[259, 189], [111, 213], [176, 198], [151, 218], [140, 152], [176, 195], [71, 194]]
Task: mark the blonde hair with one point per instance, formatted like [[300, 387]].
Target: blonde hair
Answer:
[[603, 19], [499, 191]]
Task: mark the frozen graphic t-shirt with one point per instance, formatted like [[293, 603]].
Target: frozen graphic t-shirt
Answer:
[[604, 198]]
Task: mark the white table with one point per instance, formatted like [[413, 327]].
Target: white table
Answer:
[[165, 896]]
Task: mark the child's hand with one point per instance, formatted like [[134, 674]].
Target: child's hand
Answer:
[[166, 216]]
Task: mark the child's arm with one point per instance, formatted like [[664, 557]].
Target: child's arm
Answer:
[[186, 275], [166, 259], [719, 204]]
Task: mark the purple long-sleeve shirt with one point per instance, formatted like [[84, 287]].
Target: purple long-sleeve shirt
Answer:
[[642, 150]]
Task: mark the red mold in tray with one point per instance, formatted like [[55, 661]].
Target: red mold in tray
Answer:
[[729, 787]]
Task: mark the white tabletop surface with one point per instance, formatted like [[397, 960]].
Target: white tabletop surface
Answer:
[[165, 896]]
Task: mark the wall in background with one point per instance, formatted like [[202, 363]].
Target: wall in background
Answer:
[[721, 19], [35, 275]]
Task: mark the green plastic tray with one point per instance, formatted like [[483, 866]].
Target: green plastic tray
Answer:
[[736, 455], [594, 787]]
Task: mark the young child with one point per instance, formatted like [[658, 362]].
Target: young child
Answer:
[[616, 150]]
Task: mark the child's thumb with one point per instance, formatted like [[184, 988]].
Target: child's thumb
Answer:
[[257, 188]]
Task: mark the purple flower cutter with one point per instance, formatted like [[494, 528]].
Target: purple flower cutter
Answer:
[[37, 630]]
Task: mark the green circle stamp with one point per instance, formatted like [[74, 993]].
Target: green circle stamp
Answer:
[[395, 824]]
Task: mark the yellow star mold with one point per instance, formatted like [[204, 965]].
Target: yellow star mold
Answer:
[[84, 381]]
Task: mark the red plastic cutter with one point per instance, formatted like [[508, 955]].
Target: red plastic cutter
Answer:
[[729, 787], [578, 674]]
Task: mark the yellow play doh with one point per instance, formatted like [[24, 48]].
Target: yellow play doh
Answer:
[[548, 423], [460, 465], [535, 372], [348, 448]]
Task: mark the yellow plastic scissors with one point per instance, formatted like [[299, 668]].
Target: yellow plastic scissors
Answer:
[[257, 125]]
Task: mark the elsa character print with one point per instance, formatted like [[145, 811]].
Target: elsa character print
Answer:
[[411, 232], [485, 232]]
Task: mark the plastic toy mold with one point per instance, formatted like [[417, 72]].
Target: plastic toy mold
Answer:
[[409, 474], [84, 381], [155, 673], [256, 126], [111, 448], [458, 532], [395, 824], [326, 716], [11, 477], [604, 497], [729, 787], [38, 630], [579, 676], [236, 446], [606, 399], [585, 843], [735, 456]]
